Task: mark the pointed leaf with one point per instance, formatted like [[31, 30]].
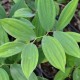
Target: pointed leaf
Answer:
[[10, 48], [57, 8], [2, 12], [3, 74], [61, 76], [29, 59], [46, 13], [69, 44], [18, 29], [23, 12], [67, 14], [54, 52], [75, 35]]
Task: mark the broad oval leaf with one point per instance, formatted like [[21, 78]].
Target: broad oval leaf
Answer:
[[75, 35], [19, 4], [17, 73], [54, 52], [69, 44], [18, 29], [2, 12], [46, 13], [29, 59], [23, 12], [3, 36], [3, 74], [61, 76], [76, 74], [10, 49], [67, 14]]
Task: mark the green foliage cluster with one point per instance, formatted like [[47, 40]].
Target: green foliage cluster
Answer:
[[25, 41]]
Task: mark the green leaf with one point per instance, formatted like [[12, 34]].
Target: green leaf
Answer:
[[27, 22], [54, 52], [17, 73], [57, 8], [3, 36], [3, 74], [36, 1], [70, 61], [7, 69], [23, 12], [41, 56], [19, 4], [2, 12], [38, 28], [10, 48], [61, 76], [33, 77], [77, 62], [75, 35], [61, 1], [67, 14], [18, 29], [76, 74], [16, 1], [29, 59], [2, 61], [69, 44], [46, 13], [13, 59], [31, 4]]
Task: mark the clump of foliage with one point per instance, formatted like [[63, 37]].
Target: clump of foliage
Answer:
[[31, 35]]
